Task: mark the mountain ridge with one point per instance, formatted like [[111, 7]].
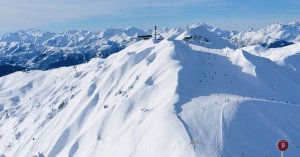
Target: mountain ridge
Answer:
[[163, 98], [34, 49], [289, 32]]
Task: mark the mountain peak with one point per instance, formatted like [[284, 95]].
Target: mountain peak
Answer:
[[133, 31], [286, 32], [178, 97]]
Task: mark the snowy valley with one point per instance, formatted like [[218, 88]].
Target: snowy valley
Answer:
[[201, 92]]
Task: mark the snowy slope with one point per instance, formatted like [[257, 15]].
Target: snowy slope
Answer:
[[154, 99], [278, 55], [205, 37], [289, 32]]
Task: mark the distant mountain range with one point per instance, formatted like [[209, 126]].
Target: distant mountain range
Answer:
[[282, 33], [34, 49]]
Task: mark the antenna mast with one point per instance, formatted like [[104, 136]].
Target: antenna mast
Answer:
[[155, 28]]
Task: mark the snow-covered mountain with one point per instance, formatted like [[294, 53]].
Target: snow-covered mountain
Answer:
[[33, 49], [155, 99], [203, 36], [277, 34], [220, 32]]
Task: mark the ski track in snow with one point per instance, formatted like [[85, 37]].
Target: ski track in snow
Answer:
[[154, 98]]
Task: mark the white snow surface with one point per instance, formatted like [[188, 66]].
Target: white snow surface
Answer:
[[220, 32], [282, 31], [154, 99], [278, 55], [205, 37]]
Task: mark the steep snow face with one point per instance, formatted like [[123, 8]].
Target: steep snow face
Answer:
[[167, 98], [289, 32], [277, 55], [109, 109]]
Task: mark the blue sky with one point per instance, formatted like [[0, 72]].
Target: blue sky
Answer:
[[60, 15]]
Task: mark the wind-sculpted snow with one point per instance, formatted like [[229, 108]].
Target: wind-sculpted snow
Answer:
[[154, 99]]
